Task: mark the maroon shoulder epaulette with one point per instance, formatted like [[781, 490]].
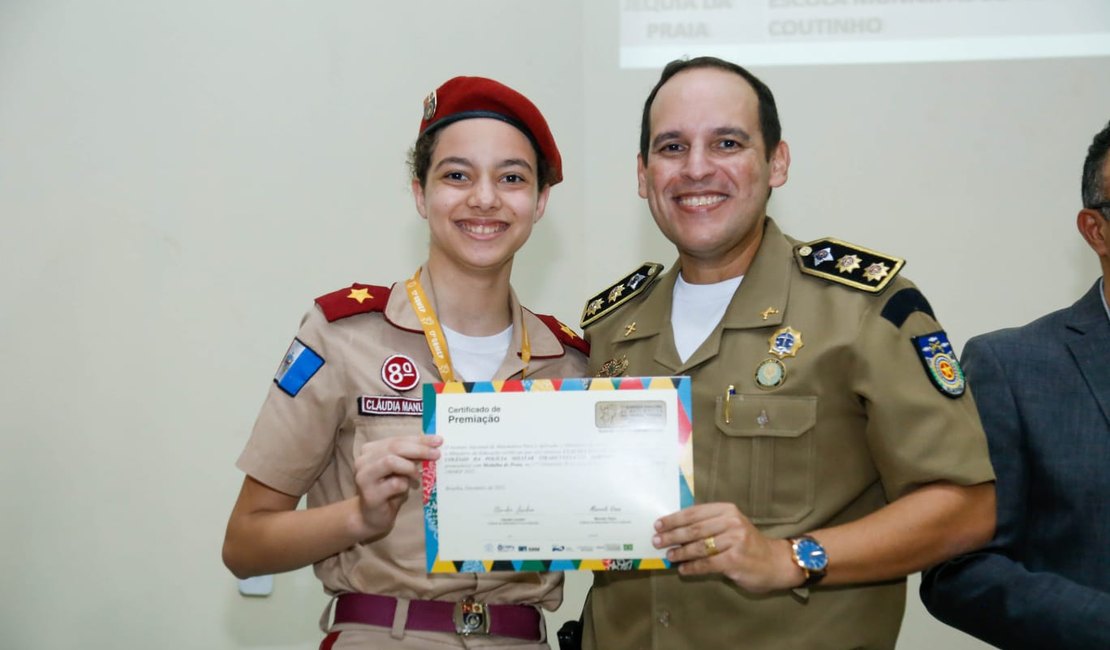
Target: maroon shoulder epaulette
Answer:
[[356, 299], [565, 334]]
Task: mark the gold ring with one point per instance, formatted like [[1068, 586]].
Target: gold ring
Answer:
[[710, 546]]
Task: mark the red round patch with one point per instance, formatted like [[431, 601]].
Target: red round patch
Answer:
[[400, 373]]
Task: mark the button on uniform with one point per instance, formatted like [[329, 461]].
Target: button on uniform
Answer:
[[664, 618]]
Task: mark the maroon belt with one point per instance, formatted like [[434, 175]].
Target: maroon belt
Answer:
[[464, 617]]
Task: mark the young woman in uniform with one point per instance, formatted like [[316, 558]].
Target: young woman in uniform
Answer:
[[342, 419]]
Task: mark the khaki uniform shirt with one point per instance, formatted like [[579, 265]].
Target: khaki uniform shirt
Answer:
[[308, 444], [856, 424]]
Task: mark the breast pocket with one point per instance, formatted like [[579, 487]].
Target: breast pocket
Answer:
[[404, 545], [766, 457]]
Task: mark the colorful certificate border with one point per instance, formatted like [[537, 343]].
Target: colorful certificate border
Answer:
[[428, 480]]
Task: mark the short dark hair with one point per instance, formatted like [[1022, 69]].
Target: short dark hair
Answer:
[[420, 159], [1092, 189], [769, 125]]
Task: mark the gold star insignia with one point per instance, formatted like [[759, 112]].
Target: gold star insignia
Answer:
[[360, 295], [629, 328], [616, 292], [848, 263], [594, 306], [876, 272], [568, 330], [767, 313]]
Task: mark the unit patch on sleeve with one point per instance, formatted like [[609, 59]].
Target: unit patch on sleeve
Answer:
[[627, 288], [297, 367], [848, 264], [941, 365]]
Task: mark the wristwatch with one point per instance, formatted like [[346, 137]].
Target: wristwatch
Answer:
[[811, 557]]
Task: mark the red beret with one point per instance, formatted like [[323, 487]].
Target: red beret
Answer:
[[463, 98]]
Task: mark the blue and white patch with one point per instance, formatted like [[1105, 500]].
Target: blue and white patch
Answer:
[[941, 365], [297, 367]]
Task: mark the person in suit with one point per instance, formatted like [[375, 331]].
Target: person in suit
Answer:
[[1043, 392]]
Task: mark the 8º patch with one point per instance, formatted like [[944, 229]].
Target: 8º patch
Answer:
[[940, 362], [297, 367]]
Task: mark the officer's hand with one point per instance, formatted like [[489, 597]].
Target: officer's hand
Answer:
[[718, 538], [385, 471]]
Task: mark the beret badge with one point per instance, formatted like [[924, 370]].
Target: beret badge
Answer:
[[430, 106]]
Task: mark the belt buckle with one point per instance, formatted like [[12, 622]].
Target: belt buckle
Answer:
[[471, 617]]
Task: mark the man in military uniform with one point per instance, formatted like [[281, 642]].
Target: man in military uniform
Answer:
[[836, 449]]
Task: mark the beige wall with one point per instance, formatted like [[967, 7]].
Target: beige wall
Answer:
[[179, 179]]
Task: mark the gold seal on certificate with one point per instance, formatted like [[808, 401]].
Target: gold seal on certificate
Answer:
[[555, 474]]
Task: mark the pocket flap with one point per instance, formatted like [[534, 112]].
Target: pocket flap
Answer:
[[777, 416]]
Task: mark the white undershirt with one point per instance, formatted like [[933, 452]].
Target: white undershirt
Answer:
[[477, 358], [695, 311]]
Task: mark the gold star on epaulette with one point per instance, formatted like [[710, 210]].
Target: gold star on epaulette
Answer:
[[360, 295], [629, 286], [876, 272], [856, 267], [847, 264]]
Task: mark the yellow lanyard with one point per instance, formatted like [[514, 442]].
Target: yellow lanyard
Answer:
[[433, 332]]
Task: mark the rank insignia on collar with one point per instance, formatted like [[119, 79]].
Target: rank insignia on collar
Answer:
[[941, 365], [613, 367], [852, 266], [616, 295], [786, 342]]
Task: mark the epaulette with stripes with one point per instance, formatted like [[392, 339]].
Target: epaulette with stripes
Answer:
[[356, 299], [629, 287], [843, 263], [565, 334]]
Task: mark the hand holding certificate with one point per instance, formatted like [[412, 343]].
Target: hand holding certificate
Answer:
[[555, 474]]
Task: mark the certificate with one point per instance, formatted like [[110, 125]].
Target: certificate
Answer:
[[555, 474]]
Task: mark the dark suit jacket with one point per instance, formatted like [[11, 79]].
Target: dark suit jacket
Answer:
[[1043, 392]]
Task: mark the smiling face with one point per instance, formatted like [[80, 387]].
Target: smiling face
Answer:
[[708, 177], [481, 196]]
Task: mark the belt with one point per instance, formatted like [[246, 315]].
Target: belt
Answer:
[[465, 617]]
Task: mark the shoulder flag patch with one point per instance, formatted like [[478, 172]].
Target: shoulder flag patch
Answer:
[[628, 287], [357, 299], [940, 362], [848, 264], [565, 334], [299, 364]]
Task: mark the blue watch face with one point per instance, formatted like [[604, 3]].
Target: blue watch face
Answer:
[[812, 555]]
